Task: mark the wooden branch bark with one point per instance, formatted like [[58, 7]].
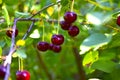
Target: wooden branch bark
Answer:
[[79, 63]]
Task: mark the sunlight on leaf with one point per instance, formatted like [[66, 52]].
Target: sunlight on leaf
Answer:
[[93, 19], [94, 41], [50, 11], [90, 58], [35, 34], [20, 43], [15, 55]]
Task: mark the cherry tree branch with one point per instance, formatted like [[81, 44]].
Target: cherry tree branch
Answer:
[[52, 4], [28, 31], [9, 56], [79, 63]]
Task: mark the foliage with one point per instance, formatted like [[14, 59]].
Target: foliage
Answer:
[[98, 41]]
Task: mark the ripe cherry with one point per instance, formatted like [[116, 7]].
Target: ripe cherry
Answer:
[[57, 39], [118, 21], [70, 17], [65, 25], [2, 71], [22, 75], [9, 33], [73, 31], [43, 46], [56, 48], [51, 46]]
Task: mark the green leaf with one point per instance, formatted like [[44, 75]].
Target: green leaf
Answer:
[[108, 54], [115, 42], [95, 41], [0, 1], [90, 57], [115, 75], [0, 51], [21, 53], [53, 1], [6, 15], [21, 14], [104, 65]]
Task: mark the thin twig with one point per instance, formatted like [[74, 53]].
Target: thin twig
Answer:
[[52, 4], [79, 63], [28, 31]]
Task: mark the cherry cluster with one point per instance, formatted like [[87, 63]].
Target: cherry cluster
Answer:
[[66, 24], [20, 75], [57, 40]]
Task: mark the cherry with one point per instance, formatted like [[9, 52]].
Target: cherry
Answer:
[[65, 25], [73, 31], [43, 46], [56, 48], [57, 39], [22, 75], [70, 17], [51, 46], [2, 71], [9, 33], [118, 20]]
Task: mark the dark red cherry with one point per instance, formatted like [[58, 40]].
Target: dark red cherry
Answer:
[[118, 21], [65, 25], [57, 39], [70, 17], [22, 75], [51, 46], [2, 71], [73, 31], [43, 46], [56, 48], [9, 33]]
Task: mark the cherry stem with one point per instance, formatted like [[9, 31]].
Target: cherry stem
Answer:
[[72, 6], [21, 60], [58, 17], [19, 64], [28, 31], [43, 31]]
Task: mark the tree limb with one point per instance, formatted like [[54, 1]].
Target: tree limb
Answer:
[[79, 63]]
